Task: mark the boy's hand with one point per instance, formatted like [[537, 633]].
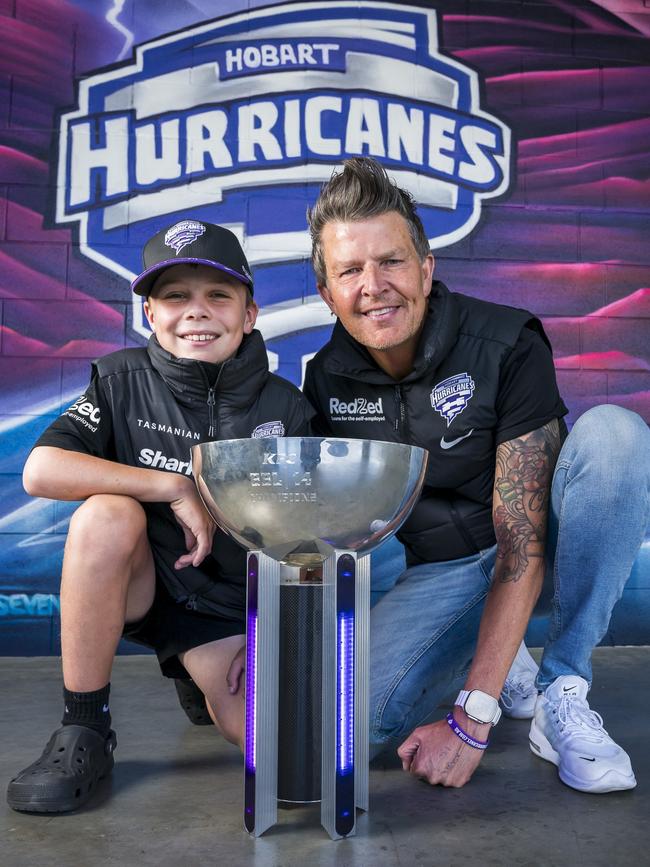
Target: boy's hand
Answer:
[[236, 670], [197, 526]]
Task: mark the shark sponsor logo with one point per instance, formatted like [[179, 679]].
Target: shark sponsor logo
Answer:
[[155, 459]]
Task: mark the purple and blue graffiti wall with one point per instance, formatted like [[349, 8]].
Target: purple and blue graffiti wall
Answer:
[[522, 128]]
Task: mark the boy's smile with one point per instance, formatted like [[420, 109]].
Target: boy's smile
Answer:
[[200, 312]]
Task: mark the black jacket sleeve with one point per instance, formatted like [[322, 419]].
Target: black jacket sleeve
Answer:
[[528, 396], [85, 426]]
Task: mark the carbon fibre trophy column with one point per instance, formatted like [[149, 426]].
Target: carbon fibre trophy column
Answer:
[[308, 510]]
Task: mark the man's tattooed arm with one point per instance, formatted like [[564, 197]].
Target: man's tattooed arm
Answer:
[[522, 486]]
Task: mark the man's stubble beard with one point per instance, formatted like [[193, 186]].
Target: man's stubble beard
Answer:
[[383, 343]]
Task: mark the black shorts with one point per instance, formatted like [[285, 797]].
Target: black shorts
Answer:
[[170, 628]]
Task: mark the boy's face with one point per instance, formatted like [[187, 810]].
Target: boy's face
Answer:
[[199, 312]]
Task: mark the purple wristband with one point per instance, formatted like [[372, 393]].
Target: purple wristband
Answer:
[[457, 730]]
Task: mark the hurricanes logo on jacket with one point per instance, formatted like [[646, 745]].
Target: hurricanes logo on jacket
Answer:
[[268, 429], [451, 396]]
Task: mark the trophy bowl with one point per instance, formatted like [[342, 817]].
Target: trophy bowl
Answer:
[[298, 499]]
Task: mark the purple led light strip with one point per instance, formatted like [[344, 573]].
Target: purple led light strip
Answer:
[[345, 694], [251, 698]]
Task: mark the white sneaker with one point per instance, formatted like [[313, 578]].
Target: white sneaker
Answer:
[[519, 693], [566, 732]]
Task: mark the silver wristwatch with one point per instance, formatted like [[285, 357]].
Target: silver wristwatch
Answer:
[[479, 706]]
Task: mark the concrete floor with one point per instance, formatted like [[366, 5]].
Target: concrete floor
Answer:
[[175, 795]]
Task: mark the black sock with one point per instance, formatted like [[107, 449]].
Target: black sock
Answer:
[[88, 709]]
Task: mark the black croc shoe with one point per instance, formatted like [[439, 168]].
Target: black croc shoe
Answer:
[[193, 702], [66, 774]]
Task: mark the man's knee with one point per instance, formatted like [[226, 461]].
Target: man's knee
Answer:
[[613, 440], [393, 720], [613, 430]]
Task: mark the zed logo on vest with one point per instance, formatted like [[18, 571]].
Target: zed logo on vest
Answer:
[[240, 120]]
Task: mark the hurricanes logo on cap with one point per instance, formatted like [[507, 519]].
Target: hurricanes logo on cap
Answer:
[[182, 234], [451, 396]]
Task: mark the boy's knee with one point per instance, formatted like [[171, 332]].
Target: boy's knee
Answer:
[[229, 724], [118, 520], [387, 734]]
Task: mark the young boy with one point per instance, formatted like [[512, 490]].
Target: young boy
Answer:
[[143, 558]]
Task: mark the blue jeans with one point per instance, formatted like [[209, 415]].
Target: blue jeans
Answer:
[[424, 629]]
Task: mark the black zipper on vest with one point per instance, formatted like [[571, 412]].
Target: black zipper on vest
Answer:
[[401, 419], [211, 404], [212, 398], [463, 530]]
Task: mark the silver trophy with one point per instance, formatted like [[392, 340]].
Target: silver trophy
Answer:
[[308, 510]]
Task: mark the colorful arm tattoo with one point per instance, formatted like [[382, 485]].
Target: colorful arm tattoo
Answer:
[[522, 486]]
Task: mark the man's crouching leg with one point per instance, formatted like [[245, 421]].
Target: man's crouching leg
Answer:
[[107, 580]]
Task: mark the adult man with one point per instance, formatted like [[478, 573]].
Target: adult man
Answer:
[[473, 383], [140, 557]]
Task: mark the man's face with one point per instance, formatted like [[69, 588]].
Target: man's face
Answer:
[[199, 312], [377, 286]]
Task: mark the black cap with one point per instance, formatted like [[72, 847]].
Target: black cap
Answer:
[[196, 243]]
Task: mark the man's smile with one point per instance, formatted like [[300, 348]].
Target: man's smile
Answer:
[[380, 312]]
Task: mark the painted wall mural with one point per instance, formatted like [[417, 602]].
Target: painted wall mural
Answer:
[[522, 128]]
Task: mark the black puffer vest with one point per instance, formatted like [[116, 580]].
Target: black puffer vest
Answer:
[[447, 405], [160, 406]]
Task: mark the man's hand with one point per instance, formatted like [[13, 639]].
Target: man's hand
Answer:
[[236, 671], [435, 754], [196, 523]]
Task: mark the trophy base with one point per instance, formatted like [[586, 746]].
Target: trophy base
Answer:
[[307, 690]]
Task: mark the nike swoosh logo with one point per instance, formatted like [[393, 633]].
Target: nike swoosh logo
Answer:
[[449, 445], [105, 709], [568, 688], [587, 759]]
